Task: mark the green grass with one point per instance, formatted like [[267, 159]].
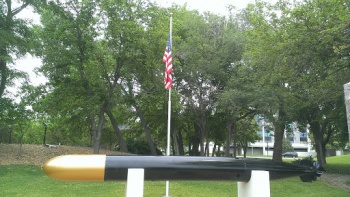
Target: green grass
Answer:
[[336, 164], [23, 180], [339, 164], [293, 187]]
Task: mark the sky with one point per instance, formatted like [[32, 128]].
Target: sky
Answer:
[[29, 63], [215, 6]]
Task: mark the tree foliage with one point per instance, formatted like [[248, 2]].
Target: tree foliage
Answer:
[[300, 47], [285, 61]]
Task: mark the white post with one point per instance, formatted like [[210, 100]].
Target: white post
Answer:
[[258, 185], [347, 104], [263, 136], [308, 138], [135, 182]]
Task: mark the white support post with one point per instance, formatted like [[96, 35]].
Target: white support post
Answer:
[[258, 185], [347, 104], [135, 182], [263, 137]]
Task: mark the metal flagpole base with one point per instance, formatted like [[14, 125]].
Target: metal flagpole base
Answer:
[[167, 189]]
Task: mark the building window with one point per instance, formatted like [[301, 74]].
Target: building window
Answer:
[[268, 139], [290, 137], [303, 137]]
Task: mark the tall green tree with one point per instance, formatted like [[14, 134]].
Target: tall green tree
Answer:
[[14, 41], [68, 51], [130, 33], [320, 69], [265, 57], [208, 47], [299, 43], [104, 61]]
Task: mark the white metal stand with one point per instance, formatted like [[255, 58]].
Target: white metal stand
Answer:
[[258, 185], [135, 182]]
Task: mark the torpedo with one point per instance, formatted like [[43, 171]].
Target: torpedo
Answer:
[[115, 168]]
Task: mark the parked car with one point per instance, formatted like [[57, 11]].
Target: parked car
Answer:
[[290, 154]]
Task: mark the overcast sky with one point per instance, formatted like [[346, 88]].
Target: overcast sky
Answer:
[[28, 63], [215, 6]]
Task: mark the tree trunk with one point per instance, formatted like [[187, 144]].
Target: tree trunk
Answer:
[[122, 144], [190, 147], [206, 150], [234, 129], [202, 136], [245, 147], [321, 157], [205, 137], [92, 127], [279, 134], [228, 139], [145, 129], [173, 143], [207, 147], [178, 143], [4, 74], [277, 147], [318, 132], [214, 150], [98, 131], [195, 141]]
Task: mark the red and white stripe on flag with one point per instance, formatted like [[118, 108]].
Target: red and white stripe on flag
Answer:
[[168, 60]]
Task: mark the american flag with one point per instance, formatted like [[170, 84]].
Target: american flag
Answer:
[[168, 60]]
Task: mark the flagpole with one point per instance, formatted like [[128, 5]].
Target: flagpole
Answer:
[[169, 100], [169, 106]]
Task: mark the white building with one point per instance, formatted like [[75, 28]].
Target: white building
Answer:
[[299, 139]]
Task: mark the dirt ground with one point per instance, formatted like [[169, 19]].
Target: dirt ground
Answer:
[[337, 180], [38, 154]]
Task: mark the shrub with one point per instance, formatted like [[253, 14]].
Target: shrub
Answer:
[[287, 146], [139, 147]]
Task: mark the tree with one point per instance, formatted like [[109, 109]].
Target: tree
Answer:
[[263, 56], [15, 39], [68, 51], [299, 46], [7, 107], [319, 71], [205, 54], [131, 45], [104, 61], [246, 133], [287, 146]]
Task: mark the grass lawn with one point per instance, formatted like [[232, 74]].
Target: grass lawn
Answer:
[[339, 164], [24, 180]]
